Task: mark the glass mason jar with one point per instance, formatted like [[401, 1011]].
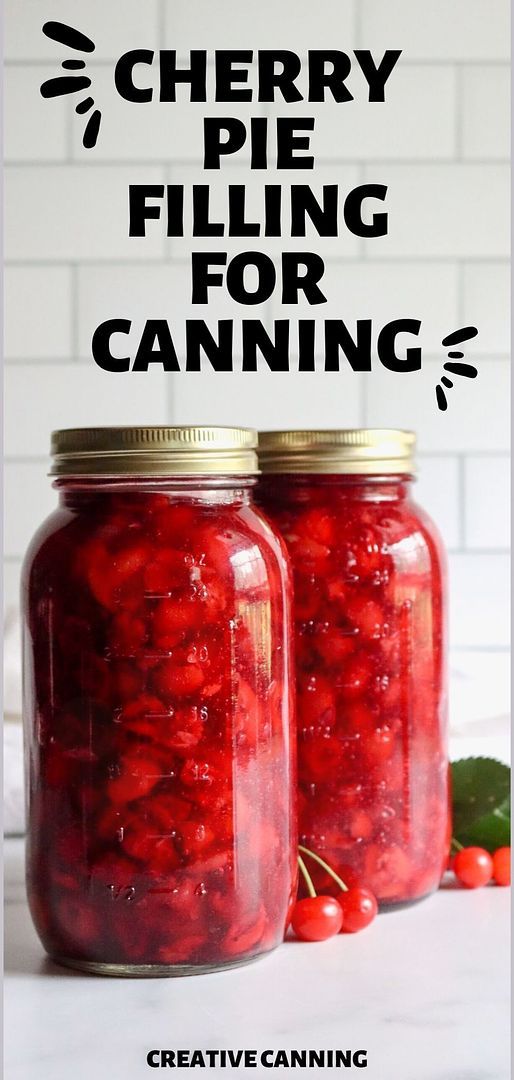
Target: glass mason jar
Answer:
[[369, 585], [157, 705]]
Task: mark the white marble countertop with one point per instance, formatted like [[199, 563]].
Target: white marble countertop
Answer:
[[424, 990]]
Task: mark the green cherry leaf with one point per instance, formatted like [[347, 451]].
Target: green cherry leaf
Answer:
[[492, 831], [481, 802]]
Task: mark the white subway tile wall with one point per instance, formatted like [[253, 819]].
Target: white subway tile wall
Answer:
[[418, 122], [459, 30], [129, 24], [486, 500], [440, 144], [43, 396], [485, 302], [451, 211], [485, 127], [480, 584], [38, 313], [478, 415], [239, 24], [68, 213]]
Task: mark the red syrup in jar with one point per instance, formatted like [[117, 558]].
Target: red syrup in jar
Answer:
[[369, 586], [160, 756]]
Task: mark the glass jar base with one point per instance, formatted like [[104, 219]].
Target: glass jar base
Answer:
[[153, 971], [385, 906]]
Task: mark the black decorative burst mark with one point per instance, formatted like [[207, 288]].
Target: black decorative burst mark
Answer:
[[457, 336], [92, 128], [468, 371], [67, 35], [64, 84], [73, 84], [85, 106]]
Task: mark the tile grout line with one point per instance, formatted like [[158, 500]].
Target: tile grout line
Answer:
[[357, 15], [122, 162], [167, 252], [169, 241], [461, 289], [13, 362], [74, 312], [362, 250], [438, 62], [407, 260], [459, 114], [170, 398], [169, 262], [364, 400], [161, 23], [69, 134]]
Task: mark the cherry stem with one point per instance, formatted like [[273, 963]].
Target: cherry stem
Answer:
[[455, 843], [325, 866], [307, 877]]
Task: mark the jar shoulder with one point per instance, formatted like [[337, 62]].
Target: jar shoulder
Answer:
[[232, 539], [333, 525], [269, 533]]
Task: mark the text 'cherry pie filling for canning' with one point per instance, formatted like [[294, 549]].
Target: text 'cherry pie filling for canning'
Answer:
[[157, 707], [369, 596]]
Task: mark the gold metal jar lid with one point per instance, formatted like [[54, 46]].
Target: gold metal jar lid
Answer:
[[154, 451], [354, 451]]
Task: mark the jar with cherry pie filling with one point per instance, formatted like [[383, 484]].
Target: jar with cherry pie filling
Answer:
[[158, 709], [370, 625]]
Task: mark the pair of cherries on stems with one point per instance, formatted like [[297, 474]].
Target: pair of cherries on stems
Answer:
[[474, 866], [317, 918]]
